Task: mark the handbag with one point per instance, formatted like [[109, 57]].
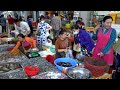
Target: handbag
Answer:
[[75, 48]]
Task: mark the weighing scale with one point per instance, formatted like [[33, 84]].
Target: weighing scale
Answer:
[[32, 54]]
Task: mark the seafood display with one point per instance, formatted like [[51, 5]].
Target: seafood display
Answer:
[[8, 57], [11, 66], [79, 73], [64, 64], [6, 46], [15, 74], [6, 67], [51, 75], [2, 42], [40, 62]]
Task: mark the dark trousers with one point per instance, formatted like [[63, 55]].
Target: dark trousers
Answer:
[[117, 61], [31, 31], [3, 29], [31, 28], [60, 55], [55, 34]]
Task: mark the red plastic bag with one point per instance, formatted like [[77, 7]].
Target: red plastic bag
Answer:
[[50, 58]]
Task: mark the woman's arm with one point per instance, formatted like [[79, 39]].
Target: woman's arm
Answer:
[[16, 47], [110, 42], [49, 27], [32, 41], [85, 39]]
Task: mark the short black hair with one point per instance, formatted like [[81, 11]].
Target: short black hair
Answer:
[[62, 32], [9, 15], [20, 18], [16, 20], [13, 28], [42, 17], [72, 27], [81, 18], [56, 14], [76, 27], [107, 17], [21, 35]]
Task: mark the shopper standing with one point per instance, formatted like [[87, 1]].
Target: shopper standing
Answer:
[[43, 31], [3, 23], [56, 24], [30, 20]]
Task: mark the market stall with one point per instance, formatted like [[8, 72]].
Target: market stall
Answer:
[[47, 69]]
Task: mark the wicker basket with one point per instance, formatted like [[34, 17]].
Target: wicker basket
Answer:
[[96, 66]]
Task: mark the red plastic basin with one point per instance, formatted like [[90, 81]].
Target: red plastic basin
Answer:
[[31, 70]]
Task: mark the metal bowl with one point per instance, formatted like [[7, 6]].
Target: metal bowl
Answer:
[[79, 73], [80, 57]]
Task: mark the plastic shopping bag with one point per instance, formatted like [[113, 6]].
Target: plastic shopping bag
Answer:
[[69, 54], [75, 48]]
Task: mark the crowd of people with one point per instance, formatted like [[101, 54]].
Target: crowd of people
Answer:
[[69, 38]]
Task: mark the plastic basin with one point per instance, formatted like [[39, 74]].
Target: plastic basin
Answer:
[[31, 70], [72, 61]]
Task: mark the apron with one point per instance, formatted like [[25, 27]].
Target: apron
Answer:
[[100, 44]]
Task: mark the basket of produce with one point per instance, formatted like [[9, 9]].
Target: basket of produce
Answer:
[[96, 66]]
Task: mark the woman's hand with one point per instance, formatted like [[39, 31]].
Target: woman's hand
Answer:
[[100, 54], [78, 45], [66, 50], [92, 50]]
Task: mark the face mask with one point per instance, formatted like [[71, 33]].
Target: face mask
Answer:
[[42, 21], [75, 32]]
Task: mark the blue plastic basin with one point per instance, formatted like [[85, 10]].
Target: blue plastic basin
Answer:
[[72, 61]]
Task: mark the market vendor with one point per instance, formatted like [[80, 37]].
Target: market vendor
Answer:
[[25, 42], [83, 39], [63, 45], [105, 38]]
